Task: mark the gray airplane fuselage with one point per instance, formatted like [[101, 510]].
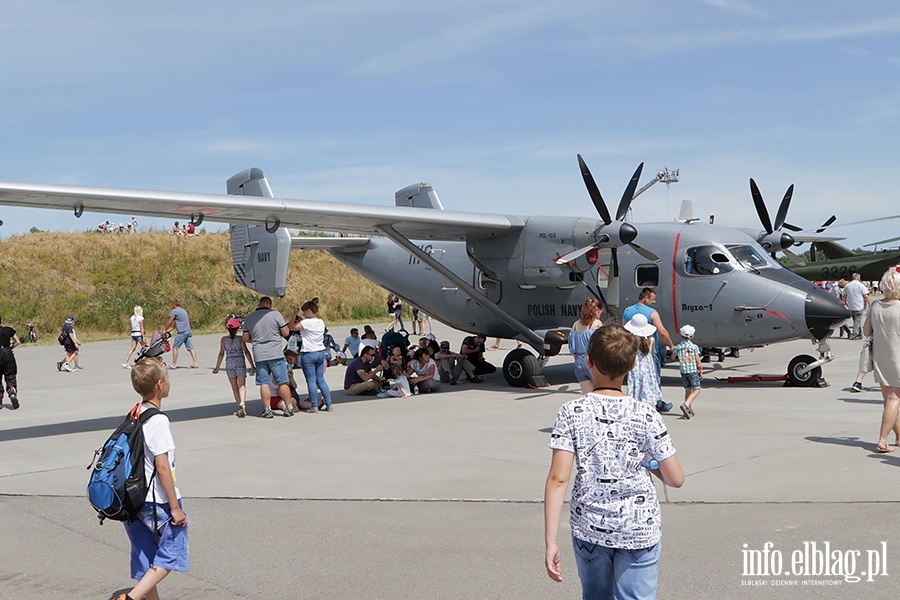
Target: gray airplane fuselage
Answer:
[[729, 302]]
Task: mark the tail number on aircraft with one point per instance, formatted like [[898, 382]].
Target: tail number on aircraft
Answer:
[[696, 307], [835, 273]]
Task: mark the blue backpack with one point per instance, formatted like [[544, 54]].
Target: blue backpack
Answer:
[[118, 485]]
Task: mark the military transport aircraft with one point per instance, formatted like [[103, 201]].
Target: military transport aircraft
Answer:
[[508, 276], [840, 262]]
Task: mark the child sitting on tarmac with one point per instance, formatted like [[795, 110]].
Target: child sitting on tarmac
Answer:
[[609, 434], [155, 554], [691, 370]]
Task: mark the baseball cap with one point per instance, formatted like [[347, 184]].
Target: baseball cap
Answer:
[[445, 344], [233, 323], [70, 319], [687, 331]]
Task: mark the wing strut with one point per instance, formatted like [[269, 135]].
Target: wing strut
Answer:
[[531, 336]]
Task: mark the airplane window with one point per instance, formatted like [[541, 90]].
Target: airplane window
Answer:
[[748, 256], [646, 276], [707, 260]]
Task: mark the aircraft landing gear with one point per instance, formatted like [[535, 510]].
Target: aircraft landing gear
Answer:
[[519, 367], [806, 371], [801, 374]]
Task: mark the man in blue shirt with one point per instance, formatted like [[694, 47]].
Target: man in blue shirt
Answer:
[[646, 300]]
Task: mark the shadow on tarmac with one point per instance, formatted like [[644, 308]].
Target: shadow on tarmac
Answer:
[[110, 423]]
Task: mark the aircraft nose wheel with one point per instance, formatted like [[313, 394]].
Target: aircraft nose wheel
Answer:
[[795, 374], [519, 366]]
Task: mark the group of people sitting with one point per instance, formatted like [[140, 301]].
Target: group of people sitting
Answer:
[[392, 368], [185, 229]]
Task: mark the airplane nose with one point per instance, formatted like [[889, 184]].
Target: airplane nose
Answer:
[[823, 313]]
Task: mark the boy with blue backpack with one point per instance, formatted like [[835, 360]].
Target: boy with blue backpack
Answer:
[[159, 533]]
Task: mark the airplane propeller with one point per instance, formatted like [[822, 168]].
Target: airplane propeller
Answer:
[[774, 239], [612, 233]]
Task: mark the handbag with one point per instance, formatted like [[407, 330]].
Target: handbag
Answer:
[[866, 363]]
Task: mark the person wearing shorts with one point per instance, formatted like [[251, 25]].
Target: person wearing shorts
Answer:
[[266, 329], [179, 321], [233, 349], [689, 357], [158, 536]]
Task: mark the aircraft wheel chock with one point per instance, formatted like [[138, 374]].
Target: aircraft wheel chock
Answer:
[[519, 366], [797, 363]]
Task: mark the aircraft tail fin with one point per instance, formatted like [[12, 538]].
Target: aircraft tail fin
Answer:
[[418, 195], [260, 258]]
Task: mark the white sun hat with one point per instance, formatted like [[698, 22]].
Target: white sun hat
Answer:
[[639, 326]]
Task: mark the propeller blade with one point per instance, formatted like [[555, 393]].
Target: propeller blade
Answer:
[[628, 195], [594, 191], [615, 262], [645, 253], [574, 255], [783, 209], [760, 207], [830, 220], [792, 227]]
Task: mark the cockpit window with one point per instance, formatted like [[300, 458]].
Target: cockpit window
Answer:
[[707, 260], [748, 256]]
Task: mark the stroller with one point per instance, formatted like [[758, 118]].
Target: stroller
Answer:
[[159, 345]]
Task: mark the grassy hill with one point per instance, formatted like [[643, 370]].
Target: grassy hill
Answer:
[[100, 277]]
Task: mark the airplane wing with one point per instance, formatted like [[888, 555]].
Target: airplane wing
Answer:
[[417, 223]]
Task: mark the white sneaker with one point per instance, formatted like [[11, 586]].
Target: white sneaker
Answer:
[[68, 368], [126, 366]]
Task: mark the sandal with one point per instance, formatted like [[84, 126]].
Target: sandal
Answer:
[[883, 448]]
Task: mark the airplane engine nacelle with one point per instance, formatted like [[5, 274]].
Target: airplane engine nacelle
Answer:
[[260, 258], [527, 257]]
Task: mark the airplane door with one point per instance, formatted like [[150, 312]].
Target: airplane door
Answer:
[[490, 288], [702, 279]]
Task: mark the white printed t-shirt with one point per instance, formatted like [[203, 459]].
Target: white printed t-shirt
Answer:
[[158, 440], [614, 502]]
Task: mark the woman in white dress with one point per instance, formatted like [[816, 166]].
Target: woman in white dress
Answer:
[[883, 324]]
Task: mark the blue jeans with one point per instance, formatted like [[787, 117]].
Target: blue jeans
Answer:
[[399, 314], [184, 337], [616, 572], [313, 365]]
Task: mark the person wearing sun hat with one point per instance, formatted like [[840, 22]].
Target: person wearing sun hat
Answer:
[[643, 380], [688, 355], [233, 349]]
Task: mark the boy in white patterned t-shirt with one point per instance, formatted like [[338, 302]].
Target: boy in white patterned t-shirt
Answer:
[[614, 510]]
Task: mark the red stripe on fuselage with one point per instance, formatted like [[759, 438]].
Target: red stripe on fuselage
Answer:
[[674, 281]]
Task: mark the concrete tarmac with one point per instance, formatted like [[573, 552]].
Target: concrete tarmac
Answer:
[[439, 496]]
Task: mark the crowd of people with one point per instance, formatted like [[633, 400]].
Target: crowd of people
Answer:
[[108, 227], [607, 358]]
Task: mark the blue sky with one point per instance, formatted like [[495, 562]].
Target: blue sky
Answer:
[[489, 101]]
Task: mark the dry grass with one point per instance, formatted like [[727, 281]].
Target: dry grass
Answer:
[[101, 277]]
